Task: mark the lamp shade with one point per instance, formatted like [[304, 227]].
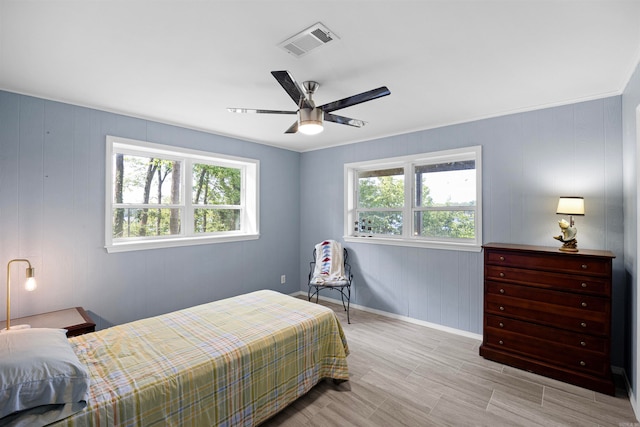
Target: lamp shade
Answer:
[[570, 205]]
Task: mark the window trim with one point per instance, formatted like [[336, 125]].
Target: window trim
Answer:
[[407, 239], [250, 206]]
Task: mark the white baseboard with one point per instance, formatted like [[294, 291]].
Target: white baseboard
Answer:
[[632, 398], [403, 318]]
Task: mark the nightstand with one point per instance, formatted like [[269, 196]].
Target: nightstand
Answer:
[[75, 320]]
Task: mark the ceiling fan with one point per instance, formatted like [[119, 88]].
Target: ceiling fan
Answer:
[[310, 117]]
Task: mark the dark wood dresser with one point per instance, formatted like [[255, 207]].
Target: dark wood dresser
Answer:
[[549, 312]]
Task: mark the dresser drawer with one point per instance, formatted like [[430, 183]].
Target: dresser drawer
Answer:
[[563, 355], [559, 316], [581, 302], [580, 341], [564, 263], [544, 279]]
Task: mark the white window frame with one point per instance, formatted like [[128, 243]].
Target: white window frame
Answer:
[[249, 204], [408, 162]]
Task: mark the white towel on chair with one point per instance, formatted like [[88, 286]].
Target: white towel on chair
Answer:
[[329, 267]]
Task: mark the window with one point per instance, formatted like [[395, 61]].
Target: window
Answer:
[[426, 200], [161, 196]]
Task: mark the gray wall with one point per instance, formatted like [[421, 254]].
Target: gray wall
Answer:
[[52, 211], [529, 160], [630, 105], [52, 196]]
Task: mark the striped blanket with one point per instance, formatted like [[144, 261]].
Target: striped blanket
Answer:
[[329, 264], [233, 362]]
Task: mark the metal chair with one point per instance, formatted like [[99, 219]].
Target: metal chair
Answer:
[[342, 286]]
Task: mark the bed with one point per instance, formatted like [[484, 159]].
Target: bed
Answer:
[[233, 362]]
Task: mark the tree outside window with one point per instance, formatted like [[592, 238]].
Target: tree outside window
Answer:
[[380, 201], [216, 198], [146, 196], [444, 193]]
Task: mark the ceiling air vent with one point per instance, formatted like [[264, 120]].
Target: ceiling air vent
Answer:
[[310, 39]]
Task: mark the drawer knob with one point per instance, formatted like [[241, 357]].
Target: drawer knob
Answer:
[[582, 343], [500, 342], [584, 266], [501, 325], [501, 258], [582, 363], [502, 291], [584, 304], [583, 324], [502, 309], [501, 274], [584, 285]]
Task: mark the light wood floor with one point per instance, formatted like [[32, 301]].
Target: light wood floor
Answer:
[[402, 374]]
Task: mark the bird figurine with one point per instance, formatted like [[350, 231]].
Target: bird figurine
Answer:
[[568, 236]]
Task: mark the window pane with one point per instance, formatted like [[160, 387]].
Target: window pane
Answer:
[[381, 188], [216, 185], [446, 184], [452, 224], [212, 220], [145, 180], [145, 222], [389, 223]]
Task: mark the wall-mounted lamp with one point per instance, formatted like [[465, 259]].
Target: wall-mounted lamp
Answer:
[[30, 285], [569, 205]]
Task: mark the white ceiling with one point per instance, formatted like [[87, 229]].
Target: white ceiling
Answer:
[[445, 62]]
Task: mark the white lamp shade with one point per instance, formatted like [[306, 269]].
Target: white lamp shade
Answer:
[[570, 206]]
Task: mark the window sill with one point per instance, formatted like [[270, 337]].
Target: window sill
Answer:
[[177, 242], [415, 243]]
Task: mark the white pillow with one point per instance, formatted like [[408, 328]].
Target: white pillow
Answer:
[[38, 367]]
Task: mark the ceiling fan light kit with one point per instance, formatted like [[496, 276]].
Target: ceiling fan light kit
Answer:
[[310, 121], [311, 118]]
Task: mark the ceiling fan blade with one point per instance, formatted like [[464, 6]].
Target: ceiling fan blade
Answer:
[[293, 128], [355, 99], [249, 110], [292, 88], [344, 120]]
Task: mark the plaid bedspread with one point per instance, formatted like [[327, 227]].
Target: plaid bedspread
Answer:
[[233, 362]]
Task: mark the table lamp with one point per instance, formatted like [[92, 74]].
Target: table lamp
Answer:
[[30, 285], [569, 205]]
